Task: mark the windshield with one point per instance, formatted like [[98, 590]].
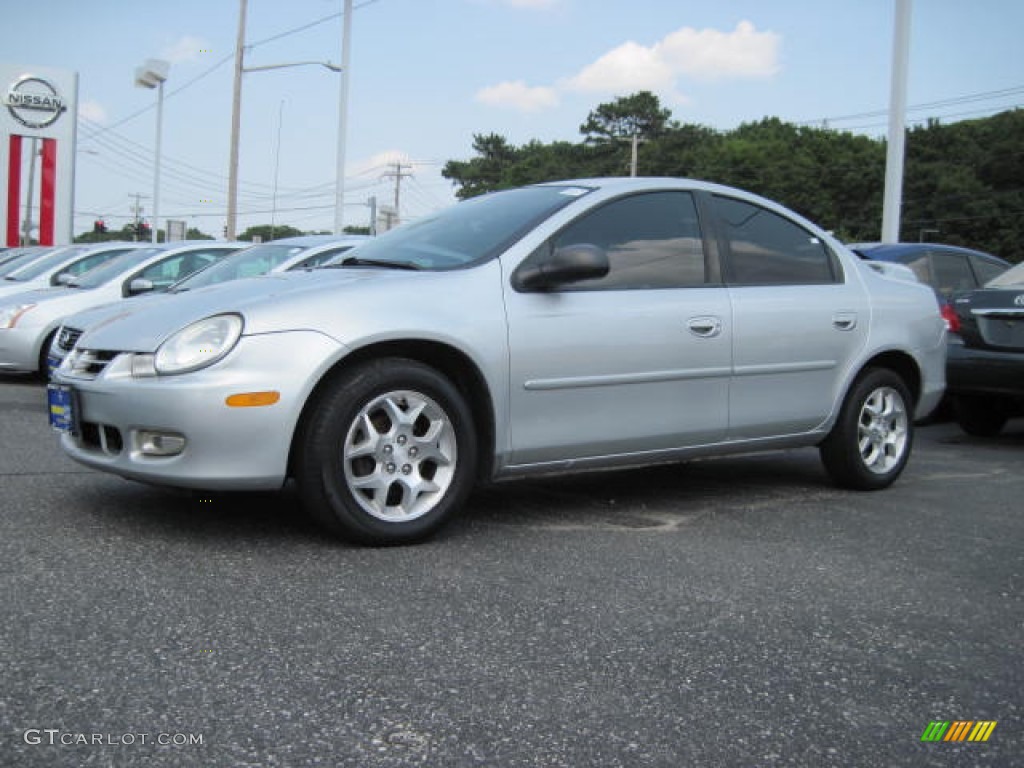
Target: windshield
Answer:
[[20, 261], [257, 260], [45, 264], [466, 233], [114, 268], [1013, 277]]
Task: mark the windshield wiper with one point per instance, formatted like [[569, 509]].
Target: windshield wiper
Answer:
[[355, 261]]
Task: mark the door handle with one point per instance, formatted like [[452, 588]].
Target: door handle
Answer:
[[706, 327], [844, 321]]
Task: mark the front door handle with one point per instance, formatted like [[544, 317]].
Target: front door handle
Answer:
[[706, 327]]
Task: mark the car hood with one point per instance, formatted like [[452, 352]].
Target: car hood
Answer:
[[36, 295], [268, 303], [95, 316]]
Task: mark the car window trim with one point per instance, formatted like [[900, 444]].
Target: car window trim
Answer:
[[712, 265], [728, 276]]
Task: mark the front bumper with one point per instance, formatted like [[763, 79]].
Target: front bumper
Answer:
[[225, 447], [19, 348]]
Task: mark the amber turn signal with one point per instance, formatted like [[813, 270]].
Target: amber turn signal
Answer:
[[252, 399]]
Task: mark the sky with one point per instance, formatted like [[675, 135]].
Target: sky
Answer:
[[427, 75]]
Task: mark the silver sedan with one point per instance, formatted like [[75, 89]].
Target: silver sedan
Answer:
[[29, 320], [563, 326]]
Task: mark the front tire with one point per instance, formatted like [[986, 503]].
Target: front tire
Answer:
[[870, 443], [387, 453]]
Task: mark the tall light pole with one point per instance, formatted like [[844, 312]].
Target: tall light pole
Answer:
[[236, 124], [346, 46], [152, 74], [236, 113], [892, 199]]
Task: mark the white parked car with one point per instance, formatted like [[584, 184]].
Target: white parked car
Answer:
[[302, 252], [29, 320], [61, 265], [563, 326]]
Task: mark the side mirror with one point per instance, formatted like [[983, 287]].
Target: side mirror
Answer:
[[139, 285], [563, 265], [64, 278]]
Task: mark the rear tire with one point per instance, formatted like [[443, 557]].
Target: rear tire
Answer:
[[870, 443], [980, 416], [387, 454]]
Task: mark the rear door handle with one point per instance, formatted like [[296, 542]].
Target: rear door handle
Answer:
[[844, 321], [706, 327]]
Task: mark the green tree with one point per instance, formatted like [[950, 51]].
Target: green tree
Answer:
[[268, 232], [638, 115], [485, 172]]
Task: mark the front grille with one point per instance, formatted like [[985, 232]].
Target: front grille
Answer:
[[89, 363], [67, 338]]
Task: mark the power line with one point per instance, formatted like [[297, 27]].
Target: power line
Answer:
[[952, 101]]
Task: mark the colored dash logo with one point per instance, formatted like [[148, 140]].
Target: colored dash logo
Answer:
[[958, 730]]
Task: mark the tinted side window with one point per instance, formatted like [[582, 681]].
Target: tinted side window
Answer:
[[986, 270], [767, 249], [922, 268], [952, 272], [653, 240], [93, 260]]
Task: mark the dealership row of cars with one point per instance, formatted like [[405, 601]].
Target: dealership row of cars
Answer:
[[581, 324]]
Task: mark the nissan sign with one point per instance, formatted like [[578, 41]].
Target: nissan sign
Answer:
[[34, 102]]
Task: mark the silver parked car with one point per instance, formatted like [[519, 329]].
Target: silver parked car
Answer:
[[302, 252], [563, 326], [58, 267], [29, 320]]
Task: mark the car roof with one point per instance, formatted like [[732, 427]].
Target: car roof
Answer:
[[307, 240], [899, 251]]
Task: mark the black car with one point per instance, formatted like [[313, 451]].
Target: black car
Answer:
[[985, 366], [946, 268]]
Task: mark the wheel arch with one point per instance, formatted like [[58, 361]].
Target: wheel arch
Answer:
[[900, 363], [451, 362]]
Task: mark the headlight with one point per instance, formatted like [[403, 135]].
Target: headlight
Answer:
[[9, 316], [198, 345]]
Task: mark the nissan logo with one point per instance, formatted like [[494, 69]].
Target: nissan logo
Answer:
[[34, 102]]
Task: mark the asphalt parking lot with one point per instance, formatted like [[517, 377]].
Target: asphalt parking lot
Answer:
[[734, 612]]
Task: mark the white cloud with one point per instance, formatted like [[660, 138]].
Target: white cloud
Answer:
[[711, 54], [379, 163], [699, 54], [630, 67], [518, 95], [187, 48], [92, 110]]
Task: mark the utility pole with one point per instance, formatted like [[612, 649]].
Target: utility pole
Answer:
[[236, 123], [399, 175], [893, 196], [346, 46], [26, 237], [137, 213], [372, 202]]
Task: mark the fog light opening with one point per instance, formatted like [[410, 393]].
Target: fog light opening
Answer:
[[154, 443]]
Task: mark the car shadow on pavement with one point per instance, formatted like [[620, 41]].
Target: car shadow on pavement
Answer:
[[172, 513], [662, 497]]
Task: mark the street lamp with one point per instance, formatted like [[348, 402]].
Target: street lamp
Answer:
[[236, 113], [152, 74]]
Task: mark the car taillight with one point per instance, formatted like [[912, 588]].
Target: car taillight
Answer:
[[950, 316]]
